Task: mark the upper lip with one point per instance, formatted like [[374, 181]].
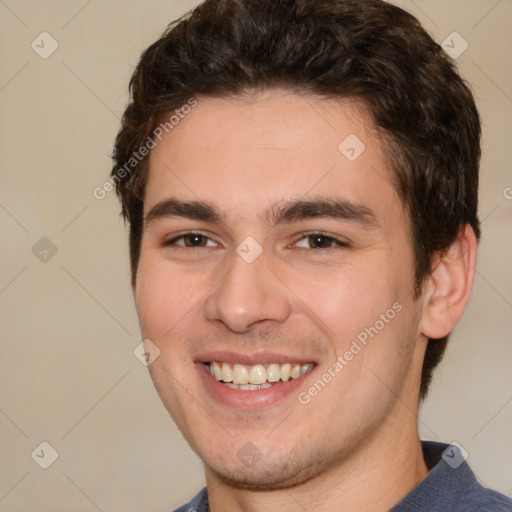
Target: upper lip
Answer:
[[251, 359]]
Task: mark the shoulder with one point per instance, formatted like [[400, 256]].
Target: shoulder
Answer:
[[451, 485], [198, 504], [482, 499]]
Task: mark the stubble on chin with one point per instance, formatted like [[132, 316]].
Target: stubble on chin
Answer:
[[267, 475]]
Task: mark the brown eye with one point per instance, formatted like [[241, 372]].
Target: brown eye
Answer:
[[190, 240], [318, 241], [194, 240]]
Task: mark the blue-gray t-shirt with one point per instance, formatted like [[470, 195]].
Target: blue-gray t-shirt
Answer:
[[450, 486]]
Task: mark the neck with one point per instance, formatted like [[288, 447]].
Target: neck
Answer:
[[376, 476]]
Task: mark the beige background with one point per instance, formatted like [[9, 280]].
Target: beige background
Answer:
[[68, 375]]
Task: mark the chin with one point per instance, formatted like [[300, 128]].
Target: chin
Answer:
[[265, 475]]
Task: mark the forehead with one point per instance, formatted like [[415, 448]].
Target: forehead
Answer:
[[246, 153]]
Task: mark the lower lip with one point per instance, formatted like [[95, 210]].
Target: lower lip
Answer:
[[247, 399]]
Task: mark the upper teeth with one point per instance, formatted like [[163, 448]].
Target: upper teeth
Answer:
[[257, 374]]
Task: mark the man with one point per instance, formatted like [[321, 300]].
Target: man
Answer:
[[300, 179]]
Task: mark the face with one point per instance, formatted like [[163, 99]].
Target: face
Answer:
[[277, 257]]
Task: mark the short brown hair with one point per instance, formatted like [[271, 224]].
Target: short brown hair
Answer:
[[367, 50]]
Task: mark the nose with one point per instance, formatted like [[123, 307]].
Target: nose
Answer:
[[248, 293]]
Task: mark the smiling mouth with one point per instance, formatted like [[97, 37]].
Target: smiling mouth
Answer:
[[258, 376]]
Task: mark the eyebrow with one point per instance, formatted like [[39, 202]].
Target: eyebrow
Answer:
[[195, 210], [282, 213], [334, 208]]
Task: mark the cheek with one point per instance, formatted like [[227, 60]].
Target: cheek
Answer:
[[166, 303], [346, 299], [162, 298]]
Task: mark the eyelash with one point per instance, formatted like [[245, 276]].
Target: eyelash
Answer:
[[172, 241], [338, 243]]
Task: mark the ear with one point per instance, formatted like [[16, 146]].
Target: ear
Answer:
[[449, 285]]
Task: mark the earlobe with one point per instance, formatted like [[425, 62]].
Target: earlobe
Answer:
[[449, 285]]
